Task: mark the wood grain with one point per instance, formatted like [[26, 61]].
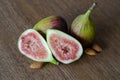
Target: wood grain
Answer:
[[19, 15]]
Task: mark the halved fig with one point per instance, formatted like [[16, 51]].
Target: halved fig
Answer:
[[33, 45], [64, 47]]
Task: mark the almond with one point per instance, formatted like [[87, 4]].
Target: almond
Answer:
[[36, 65], [90, 51], [96, 47]]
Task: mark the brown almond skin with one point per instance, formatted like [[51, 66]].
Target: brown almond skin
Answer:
[[90, 52], [97, 48], [36, 65]]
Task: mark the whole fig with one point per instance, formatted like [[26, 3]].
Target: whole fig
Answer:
[[51, 22], [83, 28]]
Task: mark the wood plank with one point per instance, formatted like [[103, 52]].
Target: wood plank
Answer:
[[19, 15]]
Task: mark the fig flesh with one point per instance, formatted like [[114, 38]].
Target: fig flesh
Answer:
[[64, 47], [33, 45]]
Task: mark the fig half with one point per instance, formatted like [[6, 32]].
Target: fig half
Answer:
[[64, 47], [33, 45]]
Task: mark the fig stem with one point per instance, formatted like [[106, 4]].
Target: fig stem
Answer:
[[54, 62], [87, 14]]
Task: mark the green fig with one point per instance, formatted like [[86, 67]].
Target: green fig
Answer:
[[51, 22], [83, 28]]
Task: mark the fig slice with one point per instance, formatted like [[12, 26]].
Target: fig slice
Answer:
[[64, 47], [33, 45]]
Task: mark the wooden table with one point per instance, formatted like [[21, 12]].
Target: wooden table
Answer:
[[19, 15]]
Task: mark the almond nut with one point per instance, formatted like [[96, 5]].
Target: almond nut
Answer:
[[36, 65], [90, 51], [97, 48]]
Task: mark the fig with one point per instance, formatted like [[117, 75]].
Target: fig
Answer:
[[33, 45], [83, 28], [64, 47], [54, 22]]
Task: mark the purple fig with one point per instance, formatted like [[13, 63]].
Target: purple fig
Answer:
[[51, 22]]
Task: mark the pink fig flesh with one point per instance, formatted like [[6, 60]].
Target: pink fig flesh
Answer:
[[33, 46], [64, 48]]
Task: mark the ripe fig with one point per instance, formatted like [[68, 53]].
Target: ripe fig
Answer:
[[54, 22], [33, 45], [83, 28], [64, 47]]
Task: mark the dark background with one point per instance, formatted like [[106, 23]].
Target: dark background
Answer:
[[19, 15]]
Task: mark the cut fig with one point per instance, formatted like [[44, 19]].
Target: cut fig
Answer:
[[33, 45], [64, 47]]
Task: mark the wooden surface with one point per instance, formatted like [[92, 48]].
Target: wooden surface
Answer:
[[19, 15]]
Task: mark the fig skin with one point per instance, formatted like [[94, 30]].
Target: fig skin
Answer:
[[83, 28], [51, 22]]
